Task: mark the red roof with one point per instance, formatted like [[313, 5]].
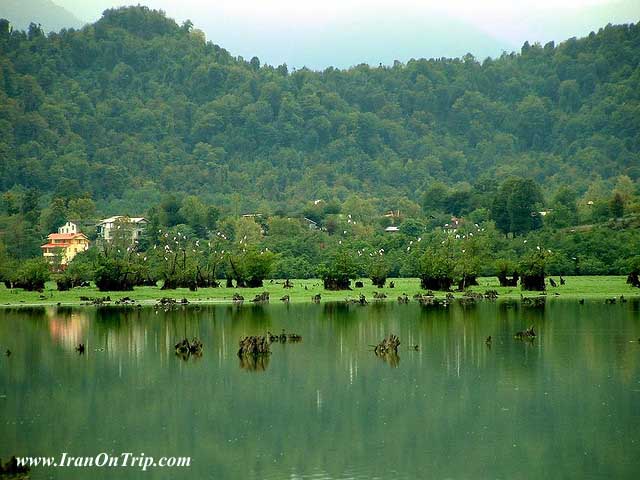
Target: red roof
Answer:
[[55, 245], [65, 236]]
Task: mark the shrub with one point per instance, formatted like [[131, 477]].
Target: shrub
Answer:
[[250, 267], [339, 271], [378, 270], [436, 269], [32, 274], [533, 271]]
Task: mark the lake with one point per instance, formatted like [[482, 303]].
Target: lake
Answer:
[[566, 405]]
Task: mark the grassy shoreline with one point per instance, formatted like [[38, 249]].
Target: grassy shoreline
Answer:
[[587, 287]]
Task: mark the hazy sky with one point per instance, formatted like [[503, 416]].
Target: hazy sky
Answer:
[[346, 32]]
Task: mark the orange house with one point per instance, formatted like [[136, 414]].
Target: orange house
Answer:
[[65, 244]]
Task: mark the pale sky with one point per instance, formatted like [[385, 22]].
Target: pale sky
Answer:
[[346, 32]]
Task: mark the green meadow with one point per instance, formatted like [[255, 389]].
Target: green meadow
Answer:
[[587, 287]]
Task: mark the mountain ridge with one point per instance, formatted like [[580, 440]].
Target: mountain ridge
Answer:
[[51, 16], [135, 104]]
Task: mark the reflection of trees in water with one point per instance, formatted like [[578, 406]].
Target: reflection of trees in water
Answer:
[[255, 315], [254, 363], [116, 317]]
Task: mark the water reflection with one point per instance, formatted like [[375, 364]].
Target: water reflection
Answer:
[[328, 407], [254, 363]]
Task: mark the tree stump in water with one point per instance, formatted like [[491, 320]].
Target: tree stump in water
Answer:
[[237, 298], [261, 298], [387, 349], [184, 348]]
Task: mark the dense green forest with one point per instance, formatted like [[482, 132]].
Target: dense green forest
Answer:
[[135, 104], [138, 115]]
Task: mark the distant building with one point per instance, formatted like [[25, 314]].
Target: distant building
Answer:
[[69, 227], [311, 224], [61, 247], [130, 226], [392, 229]]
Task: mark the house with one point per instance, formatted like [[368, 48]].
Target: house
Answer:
[[61, 247], [311, 224], [392, 229], [128, 226]]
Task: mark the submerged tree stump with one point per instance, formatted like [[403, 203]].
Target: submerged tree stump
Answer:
[[261, 298], [389, 344], [184, 348], [253, 345], [387, 350], [491, 294], [528, 334], [237, 298]]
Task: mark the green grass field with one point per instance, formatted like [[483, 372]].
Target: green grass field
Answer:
[[576, 287]]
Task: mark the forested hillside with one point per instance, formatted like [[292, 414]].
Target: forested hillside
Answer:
[[135, 104]]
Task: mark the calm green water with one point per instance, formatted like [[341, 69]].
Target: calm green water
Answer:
[[565, 406]]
